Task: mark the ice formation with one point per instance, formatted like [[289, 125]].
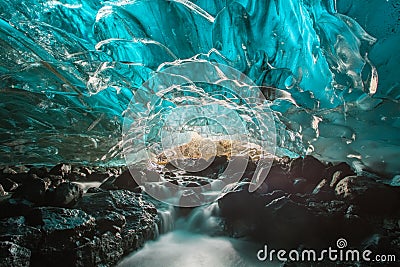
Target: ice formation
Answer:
[[69, 69]]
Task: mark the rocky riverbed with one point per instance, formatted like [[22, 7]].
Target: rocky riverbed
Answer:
[[47, 218]]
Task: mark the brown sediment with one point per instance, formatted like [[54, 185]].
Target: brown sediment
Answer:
[[206, 148]]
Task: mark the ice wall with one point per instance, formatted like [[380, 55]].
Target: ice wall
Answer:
[[69, 68]]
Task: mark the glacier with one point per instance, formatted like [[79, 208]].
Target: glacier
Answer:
[[329, 69]]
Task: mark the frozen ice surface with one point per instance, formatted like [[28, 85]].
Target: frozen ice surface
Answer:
[[69, 69]]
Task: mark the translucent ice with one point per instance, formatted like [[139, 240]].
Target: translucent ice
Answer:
[[69, 69]]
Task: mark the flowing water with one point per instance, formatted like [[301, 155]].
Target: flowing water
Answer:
[[193, 242], [184, 248]]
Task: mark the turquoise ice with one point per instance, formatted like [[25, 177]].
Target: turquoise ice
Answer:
[[69, 69]]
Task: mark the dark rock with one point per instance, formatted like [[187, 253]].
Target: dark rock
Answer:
[[41, 172], [296, 168], [235, 168], [174, 181], [114, 224], [2, 192], [268, 198], [9, 170], [278, 179], [288, 220], [193, 184], [126, 181], [59, 224], [323, 191], [15, 230], [65, 237], [65, 195], [56, 180], [341, 170], [14, 255], [300, 185], [239, 203], [8, 184], [370, 196], [140, 215], [110, 247], [97, 176], [76, 175], [19, 177], [244, 211], [11, 207], [124, 202], [189, 198], [217, 166], [382, 244], [169, 174], [111, 221], [95, 190], [86, 170], [109, 184], [294, 221], [313, 169], [61, 169], [308, 168], [33, 190], [306, 173]]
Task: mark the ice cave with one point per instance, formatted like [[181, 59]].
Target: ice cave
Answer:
[[199, 133]]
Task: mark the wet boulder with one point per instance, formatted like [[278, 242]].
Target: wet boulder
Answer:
[[33, 190], [337, 172], [238, 203], [66, 237], [14, 255], [61, 169], [214, 168], [369, 195], [16, 231], [278, 179], [2, 192], [99, 230], [126, 180], [66, 194], [296, 168], [41, 172], [110, 207], [287, 219], [190, 198], [313, 169], [306, 173], [59, 224], [8, 184], [11, 207]]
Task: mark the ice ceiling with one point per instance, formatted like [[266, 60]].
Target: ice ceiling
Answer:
[[69, 69]]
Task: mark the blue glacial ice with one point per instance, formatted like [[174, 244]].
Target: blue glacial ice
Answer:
[[329, 69]]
